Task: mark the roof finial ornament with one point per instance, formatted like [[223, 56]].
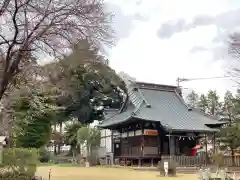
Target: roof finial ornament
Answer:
[[148, 105]]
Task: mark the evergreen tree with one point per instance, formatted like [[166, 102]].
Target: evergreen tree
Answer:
[[70, 136], [87, 83], [33, 114], [213, 102], [236, 103], [192, 99], [229, 135], [202, 104], [228, 105]]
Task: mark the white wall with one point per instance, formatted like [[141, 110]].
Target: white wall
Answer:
[[106, 139], [103, 142], [108, 132], [103, 133], [109, 144]]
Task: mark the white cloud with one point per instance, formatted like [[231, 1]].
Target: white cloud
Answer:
[[148, 58]]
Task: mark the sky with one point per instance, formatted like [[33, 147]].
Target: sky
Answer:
[[161, 40]]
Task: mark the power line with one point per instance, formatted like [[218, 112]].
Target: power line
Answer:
[[189, 88], [179, 80]]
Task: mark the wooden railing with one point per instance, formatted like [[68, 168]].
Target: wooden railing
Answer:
[[188, 161], [195, 161], [232, 161]]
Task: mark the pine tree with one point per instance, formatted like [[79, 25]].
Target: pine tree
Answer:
[[203, 103], [213, 102], [229, 135], [228, 105]]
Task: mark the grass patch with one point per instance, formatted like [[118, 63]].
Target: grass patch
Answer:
[[98, 173]]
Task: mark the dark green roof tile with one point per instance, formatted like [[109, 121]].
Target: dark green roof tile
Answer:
[[117, 118], [166, 107]]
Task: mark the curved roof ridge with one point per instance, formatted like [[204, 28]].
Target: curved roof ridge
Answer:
[[144, 100], [182, 100], [168, 108], [133, 91], [137, 109], [141, 101]]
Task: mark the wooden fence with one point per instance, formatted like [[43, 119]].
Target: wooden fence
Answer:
[[194, 161], [232, 161]]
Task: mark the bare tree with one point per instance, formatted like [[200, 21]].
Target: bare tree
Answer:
[[234, 52], [234, 45], [30, 29]]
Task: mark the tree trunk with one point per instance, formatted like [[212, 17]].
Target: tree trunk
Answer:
[[73, 155], [80, 154], [87, 155], [232, 154], [55, 142], [3, 88], [60, 138]]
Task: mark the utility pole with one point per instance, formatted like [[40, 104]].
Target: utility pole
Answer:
[[179, 80]]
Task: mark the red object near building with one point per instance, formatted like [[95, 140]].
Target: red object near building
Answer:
[[194, 150], [197, 146]]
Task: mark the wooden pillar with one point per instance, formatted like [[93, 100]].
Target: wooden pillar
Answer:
[[206, 156], [169, 144], [128, 144], [120, 142], [152, 162], [162, 144], [112, 148], [214, 142], [177, 145], [172, 145], [139, 163], [159, 145], [142, 140], [105, 137], [159, 138]]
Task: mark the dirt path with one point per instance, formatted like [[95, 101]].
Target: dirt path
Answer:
[[101, 173]]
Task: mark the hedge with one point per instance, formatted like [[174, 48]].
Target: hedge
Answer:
[[18, 163]]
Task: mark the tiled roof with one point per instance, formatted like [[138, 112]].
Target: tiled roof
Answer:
[[172, 113], [163, 104], [117, 118]]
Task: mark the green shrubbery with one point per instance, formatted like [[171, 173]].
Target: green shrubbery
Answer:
[[19, 164], [218, 160], [44, 155]]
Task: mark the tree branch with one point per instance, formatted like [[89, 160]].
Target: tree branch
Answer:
[[5, 41], [4, 6], [39, 26], [8, 58]]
